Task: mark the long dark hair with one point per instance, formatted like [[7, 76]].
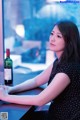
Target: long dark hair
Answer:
[[70, 33]]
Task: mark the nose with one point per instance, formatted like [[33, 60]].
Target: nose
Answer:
[[52, 39]]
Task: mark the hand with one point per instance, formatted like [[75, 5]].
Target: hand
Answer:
[[6, 88], [3, 93]]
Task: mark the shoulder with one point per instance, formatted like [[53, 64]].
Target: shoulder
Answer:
[[70, 69], [69, 66]]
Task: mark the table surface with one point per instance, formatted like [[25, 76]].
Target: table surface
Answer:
[[16, 111]]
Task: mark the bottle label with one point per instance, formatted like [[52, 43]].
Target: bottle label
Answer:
[[7, 74]]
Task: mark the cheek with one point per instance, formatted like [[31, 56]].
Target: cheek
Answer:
[[61, 45]]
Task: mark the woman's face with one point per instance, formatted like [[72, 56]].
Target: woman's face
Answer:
[[56, 40]]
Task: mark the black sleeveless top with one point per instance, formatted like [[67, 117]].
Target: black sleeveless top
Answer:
[[66, 106]]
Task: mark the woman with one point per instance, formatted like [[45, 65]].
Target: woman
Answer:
[[63, 77]]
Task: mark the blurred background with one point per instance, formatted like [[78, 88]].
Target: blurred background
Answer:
[[27, 26]]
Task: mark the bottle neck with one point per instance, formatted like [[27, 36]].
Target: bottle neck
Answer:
[[7, 56], [7, 53]]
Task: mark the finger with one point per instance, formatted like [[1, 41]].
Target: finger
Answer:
[[1, 85], [5, 87]]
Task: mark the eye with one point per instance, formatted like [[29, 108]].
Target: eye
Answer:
[[51, 33], [59, 36]]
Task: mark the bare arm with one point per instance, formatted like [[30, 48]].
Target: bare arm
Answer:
[[58, 84], [40, 79]]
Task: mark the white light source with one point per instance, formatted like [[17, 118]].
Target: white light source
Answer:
[[20, 30], [51, 10]]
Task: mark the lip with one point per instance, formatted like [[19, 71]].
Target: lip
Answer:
[[52, 44]]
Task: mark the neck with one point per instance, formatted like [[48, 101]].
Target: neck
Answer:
[[59, 54]]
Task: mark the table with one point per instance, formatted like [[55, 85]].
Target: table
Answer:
[[16, 111]]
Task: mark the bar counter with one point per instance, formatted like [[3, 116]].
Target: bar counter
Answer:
[[16, 111]]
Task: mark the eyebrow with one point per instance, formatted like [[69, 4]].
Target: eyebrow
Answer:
[[57, 32]]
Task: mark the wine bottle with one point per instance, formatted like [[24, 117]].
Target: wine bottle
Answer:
[[8, 69]]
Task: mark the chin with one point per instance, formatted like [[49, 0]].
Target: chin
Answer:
[[52, 49]]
